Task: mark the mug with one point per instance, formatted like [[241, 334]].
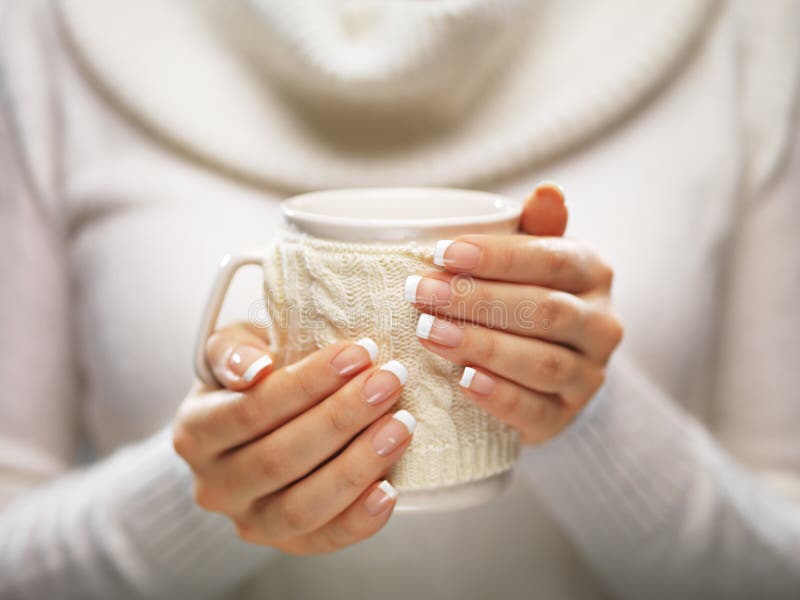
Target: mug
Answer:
[[336, 271]]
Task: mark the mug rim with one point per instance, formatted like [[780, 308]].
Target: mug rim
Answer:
[[506, 209]]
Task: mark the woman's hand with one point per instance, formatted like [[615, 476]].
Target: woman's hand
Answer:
[[528, 315], [295, 457]]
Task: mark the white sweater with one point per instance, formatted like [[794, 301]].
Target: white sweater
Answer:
[[140, 140]]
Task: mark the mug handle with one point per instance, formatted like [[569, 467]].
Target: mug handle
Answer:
[[228, 267]]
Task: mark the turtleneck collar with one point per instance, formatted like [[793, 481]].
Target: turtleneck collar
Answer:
[[308, 94]]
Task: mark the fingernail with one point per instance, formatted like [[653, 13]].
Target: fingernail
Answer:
[[394, 432], [352, 358], [247, 362], [457, 255], [545, 186], [426, 290], [380, 498], [476, 381], [385, 381], [439, 331]]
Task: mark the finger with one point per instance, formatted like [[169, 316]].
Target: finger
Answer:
[[557, 263], [532, 363], [317, 499], [238, 356], [220, 420], [300, 446], [531, 311], [536, 415], [545, 213], [361, 520]]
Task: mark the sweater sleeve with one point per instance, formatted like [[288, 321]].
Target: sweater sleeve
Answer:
[[662, 506], [126, 526]]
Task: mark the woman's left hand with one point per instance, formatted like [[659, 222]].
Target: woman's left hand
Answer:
[[527, 315]]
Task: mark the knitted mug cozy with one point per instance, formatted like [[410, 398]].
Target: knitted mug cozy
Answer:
[[320, 291]]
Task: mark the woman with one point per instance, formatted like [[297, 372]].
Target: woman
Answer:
[[142, 140]]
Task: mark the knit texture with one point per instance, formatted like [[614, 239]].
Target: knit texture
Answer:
[[664, 489], [341, 91], [321, 291]]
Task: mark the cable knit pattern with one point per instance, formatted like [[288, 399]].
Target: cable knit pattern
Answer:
[[321, 291], [130, 137]]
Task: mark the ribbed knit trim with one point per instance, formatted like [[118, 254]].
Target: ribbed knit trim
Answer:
[[604, 462], [169, 67], [435, 468], [635, 477]]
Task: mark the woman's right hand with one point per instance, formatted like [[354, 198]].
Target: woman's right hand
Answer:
[[295, 457]]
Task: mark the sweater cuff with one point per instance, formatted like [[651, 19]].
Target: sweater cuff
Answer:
[[620, 478], [160, 539]]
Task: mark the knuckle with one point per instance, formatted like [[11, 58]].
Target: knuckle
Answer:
[[247, 532], [513, 402], [553, 367], [302, 382], [557, 311], [505, 259], [184, 441], [605, 274], [478, 295], [350, 531], [616, 332], [486, 349], [295, 518], [244, 412], [339, 534], [554, 260], [609, 333], [206, 496], [331, 538], [268, 464], [354, 476], [550, 311], [538, 413], [595, 380], [341, 417]]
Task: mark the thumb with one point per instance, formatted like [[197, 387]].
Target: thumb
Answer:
[[544, 212], [238, 356]]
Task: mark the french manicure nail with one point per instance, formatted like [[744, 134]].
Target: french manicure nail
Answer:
[[352, 358], [439, 331], [427, 290], [380, 498], [394, 432], [478, 382], [456, 255], [247, 362], [385, 381]]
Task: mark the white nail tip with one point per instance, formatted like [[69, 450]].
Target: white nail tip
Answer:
[[388, 489], [424, 325], [407, 419], [254, 369], [439, 250], [370, 346], [398, 368], [466, 377], [410, 288]]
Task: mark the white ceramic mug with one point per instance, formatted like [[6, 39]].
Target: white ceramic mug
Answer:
[[337, 272]]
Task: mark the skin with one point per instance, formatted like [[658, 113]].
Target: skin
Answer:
[[295, 474]]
